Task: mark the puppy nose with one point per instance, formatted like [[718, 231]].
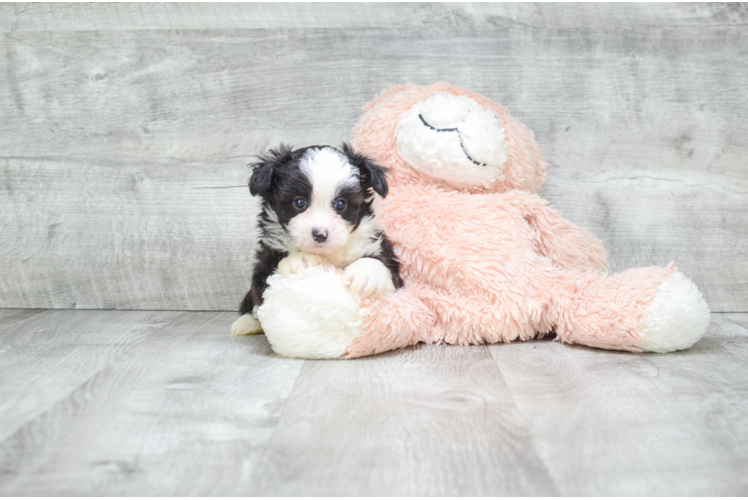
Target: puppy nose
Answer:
[[319, 235]]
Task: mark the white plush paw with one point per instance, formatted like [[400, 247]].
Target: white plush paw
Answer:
[[298, 262], [368, 277], [245, 325], [677, 318], [311, 315]]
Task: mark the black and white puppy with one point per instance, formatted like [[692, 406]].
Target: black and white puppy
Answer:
[[319, 207]]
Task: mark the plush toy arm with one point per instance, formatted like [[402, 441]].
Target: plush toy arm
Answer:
[[567, 245]]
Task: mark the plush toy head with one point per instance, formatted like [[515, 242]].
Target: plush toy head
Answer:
[[450, 137]]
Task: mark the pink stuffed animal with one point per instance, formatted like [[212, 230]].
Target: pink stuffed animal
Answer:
[[484, 259]]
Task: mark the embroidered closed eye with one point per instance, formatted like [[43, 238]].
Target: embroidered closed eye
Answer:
[[459, 135]]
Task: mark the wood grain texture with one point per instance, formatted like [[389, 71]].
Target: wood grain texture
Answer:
[[117, 116], [428, 420], [738, 318], [624, 424], [165, 403], [11, 318], [152, 235], [187, 411], [78, 17], [49, 355]]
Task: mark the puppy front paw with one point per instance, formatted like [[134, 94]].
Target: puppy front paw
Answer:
[[368, 277], [298, 262], [245, 325]]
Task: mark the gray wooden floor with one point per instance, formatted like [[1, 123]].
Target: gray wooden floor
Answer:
[[166, 403]]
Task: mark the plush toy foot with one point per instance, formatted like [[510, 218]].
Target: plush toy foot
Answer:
[[245, 325], [677, 318], [650, 309], [316, 315], [310, 315]]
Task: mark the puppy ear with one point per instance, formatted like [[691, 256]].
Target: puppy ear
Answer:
[[264, 171], [372, 175], [261, 179]]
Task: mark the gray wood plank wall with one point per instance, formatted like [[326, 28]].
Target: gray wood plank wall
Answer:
[[126, 130]]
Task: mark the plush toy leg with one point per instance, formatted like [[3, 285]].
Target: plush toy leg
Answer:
[[314, 315], [392, 321], [650, 309]]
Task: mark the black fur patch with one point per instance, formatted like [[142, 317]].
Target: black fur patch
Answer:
[[356, 206], [267, 263], [389, 259], [372, 175], [278, 180]]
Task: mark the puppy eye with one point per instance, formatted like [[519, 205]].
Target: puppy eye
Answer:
[[340, 205], [300, 203]]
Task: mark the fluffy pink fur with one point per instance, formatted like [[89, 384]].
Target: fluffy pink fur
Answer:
[[496, 264]]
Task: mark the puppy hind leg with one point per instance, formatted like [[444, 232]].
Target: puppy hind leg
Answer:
[[246, 324]]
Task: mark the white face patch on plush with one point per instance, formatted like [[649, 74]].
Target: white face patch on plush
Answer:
[[453, 138], [320, 229]]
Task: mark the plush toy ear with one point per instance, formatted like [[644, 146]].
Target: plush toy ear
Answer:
[[264, 171], [372, 175]]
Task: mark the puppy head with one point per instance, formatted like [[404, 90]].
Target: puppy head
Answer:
[[317, 195]]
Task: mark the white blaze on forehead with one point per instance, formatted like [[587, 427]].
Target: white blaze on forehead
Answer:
[[469, 148], [327, 170]]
